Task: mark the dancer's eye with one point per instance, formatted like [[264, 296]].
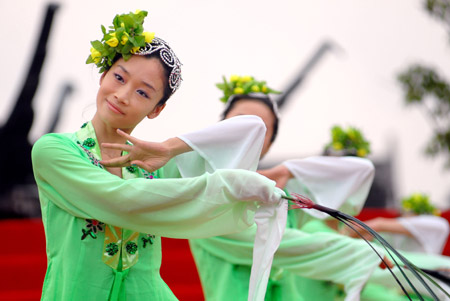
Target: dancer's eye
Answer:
[[118, 77], [142, 93]]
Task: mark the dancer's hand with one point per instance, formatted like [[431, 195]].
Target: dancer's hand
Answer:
[[147, 155], [362, 232], [383, 224], [280, 174]]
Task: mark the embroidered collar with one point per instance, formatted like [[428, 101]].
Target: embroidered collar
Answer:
[[88, 139], [120, 246]]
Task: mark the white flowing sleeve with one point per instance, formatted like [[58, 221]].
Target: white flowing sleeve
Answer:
[[430, 231], [341, 183], [231, 143], [236, 143]]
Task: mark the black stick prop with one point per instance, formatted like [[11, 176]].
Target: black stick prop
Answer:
[[299, 201]]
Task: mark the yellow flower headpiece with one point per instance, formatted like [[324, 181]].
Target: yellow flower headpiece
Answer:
[[349, 141], [127, 37], [419, 203], [243, 85]]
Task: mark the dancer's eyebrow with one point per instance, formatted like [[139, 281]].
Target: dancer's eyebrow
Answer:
[[123, 68], [145, 83]]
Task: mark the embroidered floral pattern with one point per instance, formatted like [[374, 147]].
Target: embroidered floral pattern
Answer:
[[148, 239], [132, 169], [88, 232], [95, 225], [131, 247], [91, 156], [89, 143], [112, 248], [84, 125], [148, 175]]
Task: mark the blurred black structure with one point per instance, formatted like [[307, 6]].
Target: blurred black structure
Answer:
[[298, 80], [67, 89], [18, 193], [381, 194]]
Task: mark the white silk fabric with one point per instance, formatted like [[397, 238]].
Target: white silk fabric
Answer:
[[236, 143], [341, 183], [428, 234]]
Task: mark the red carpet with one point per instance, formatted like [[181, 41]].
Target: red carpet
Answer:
[[24, 261]]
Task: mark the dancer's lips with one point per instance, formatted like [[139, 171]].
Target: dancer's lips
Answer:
[[114, 108]]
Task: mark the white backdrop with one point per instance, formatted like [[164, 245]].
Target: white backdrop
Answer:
[[271, 40]]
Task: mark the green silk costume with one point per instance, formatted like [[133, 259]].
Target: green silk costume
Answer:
[[103, 232], [224, 262]]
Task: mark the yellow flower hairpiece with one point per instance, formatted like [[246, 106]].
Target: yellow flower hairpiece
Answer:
[[125, 37], [419, 203], [348, 141], [242, 85]]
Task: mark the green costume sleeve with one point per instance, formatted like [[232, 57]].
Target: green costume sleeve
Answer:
[[181, 208]]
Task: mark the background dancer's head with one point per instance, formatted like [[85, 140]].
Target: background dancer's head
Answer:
[[246, 96]]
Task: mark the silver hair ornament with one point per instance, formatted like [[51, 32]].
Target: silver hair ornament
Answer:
[[168, 57]]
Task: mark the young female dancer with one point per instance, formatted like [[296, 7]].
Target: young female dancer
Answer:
[[326, 256], [103, 224], [342, 183]]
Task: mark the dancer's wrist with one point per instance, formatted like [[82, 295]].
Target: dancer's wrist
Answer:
[[175, 146]]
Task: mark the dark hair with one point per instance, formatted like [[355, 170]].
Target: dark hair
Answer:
[[167, 70], [264, 99]]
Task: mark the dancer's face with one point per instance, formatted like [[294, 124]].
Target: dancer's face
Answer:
[[254, 107], [130, 91]]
